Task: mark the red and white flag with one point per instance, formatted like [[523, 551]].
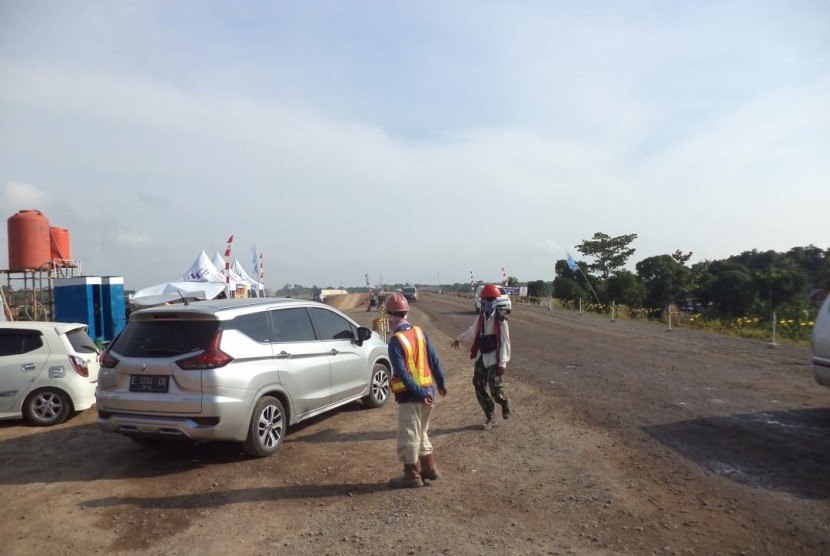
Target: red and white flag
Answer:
[[228, 267]]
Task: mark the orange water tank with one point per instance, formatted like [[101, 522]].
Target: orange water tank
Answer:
[[29, 242], [59, 246]]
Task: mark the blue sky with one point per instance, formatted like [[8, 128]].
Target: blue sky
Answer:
[[416, 141]]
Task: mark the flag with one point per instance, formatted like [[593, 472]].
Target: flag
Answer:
[[228, 267], [366, 276], [571, 263]]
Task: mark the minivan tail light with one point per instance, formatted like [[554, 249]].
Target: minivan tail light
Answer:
[[211, 358], [106, 360], [80, 365]]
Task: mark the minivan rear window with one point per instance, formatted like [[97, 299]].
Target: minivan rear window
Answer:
[[164, 338]]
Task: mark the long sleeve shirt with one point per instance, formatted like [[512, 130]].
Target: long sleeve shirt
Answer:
[[414, 392], [502, 354]]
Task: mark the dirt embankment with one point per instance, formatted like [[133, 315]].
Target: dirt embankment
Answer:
[[348, 302]]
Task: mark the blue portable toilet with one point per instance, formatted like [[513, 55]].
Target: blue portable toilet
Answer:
[[112, 306], [78, 299], [94, 300]]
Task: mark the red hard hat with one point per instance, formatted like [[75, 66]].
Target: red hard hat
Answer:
[[490, 292], [396, 303]]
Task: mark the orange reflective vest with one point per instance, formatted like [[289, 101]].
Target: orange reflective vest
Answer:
[[415, 355]]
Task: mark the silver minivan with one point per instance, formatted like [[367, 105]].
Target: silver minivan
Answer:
[[821, 345], [240, 370]]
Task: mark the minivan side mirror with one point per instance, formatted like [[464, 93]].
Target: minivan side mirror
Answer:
[[363, 334]]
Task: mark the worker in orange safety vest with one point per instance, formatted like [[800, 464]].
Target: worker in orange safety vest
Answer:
[[416, 373]]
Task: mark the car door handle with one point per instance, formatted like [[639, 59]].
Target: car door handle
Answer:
[[28, 366], [283, 355], [333, 352]]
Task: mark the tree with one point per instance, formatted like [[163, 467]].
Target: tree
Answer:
[[730, 288], [625, 288], [782, 283], [681, 257], [811, 260], [663, 277], [611, 253], [585, 281], [568, 288], [537, 288]]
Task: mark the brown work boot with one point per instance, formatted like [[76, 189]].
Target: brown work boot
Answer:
[[410, 478], [429, 471]]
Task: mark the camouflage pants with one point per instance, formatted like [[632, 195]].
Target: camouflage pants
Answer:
[[485, 378]]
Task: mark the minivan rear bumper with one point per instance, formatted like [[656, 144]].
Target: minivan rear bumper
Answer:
[[183, 428]]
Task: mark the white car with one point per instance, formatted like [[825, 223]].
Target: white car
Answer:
[[503, 302], [821, 345], [48, 371]]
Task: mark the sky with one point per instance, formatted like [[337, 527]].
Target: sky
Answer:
[[424, 142]]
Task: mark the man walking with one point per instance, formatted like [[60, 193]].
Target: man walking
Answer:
[[490, 339], [416, 371]]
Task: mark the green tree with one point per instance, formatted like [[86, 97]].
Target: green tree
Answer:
[[681, 257], [782, 283], [625, 288], [823, 276], [812, 260], [779, 279], [731, 289], [569, 289], [611, 253], [663, 277], [537, 288]]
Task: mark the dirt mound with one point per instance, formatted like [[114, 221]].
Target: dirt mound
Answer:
[[348, 301]]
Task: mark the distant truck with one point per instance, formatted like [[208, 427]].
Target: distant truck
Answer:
[[410, 293]]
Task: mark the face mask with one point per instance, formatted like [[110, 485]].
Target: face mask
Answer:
[[489, 306], [395, 322]]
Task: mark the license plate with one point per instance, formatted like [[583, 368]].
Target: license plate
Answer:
[[154, 383]]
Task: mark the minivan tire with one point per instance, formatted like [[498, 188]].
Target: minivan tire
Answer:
[[267, 428], [379, 387]]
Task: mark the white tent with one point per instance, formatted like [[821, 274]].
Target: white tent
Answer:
[[205, 279], [240, 270], [219, 263], [204, 270], [237, 273], [176, 291]]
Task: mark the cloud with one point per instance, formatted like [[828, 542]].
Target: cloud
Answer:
[[24, 195], [130, 239]]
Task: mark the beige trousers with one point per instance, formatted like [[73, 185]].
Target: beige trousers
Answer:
[[413, 425]]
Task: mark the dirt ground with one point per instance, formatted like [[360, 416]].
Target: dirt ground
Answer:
[[627, 438]]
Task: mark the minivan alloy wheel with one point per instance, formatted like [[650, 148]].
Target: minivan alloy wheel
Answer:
[[267, 428], [379, 387]]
